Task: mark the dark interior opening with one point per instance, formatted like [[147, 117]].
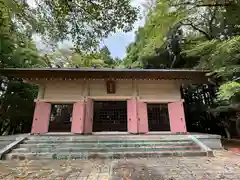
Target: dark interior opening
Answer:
[[61, 118], [158, 119], [110, 116]]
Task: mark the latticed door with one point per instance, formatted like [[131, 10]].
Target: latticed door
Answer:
[[110, 116], [158, 119]]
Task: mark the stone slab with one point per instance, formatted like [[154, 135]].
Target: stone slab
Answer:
[[211, 140], [115, 155]]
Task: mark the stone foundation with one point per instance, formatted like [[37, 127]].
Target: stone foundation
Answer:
[[211, 140]]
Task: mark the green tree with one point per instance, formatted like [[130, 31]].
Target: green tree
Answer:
[[106, 56], [71, 58], [89, 60], [222, 58], [83, 22], [150, 40], [16, 97]]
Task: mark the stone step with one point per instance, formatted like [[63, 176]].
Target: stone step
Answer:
[[114, 155], [106, 137], [5, 142], [8, 138], [122, 144], [58, 141], [114, 149]]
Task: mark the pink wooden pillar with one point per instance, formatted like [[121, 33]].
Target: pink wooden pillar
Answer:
[[41, 118], [177, 117], [142, 117], [88, 123], [78, 116], [132, 116]]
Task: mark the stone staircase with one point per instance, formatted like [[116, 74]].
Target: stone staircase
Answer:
[[104, 146]]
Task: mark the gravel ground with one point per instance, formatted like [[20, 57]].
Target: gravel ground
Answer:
[[225, 165]]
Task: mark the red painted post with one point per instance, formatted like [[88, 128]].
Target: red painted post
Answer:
[[142, 117], [78, 115], [88, 124], [41, 118], [132, 116], [177, 117]]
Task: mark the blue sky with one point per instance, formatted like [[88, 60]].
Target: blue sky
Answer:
[[116, 42]]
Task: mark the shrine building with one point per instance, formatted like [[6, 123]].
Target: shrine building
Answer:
[[89, 100]]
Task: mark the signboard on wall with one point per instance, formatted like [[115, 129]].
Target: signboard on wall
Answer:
[[111, 87]]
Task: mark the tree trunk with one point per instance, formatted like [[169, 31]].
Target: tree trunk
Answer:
[[227, 133], [238, 123]]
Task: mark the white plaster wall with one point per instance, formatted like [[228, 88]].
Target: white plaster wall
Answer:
[[148, 90], [163, 90], [63, 90]]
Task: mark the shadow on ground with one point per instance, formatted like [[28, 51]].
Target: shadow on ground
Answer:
[[232, 145]]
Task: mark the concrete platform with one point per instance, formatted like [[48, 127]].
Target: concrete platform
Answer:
[[114, 144], [211, 140]]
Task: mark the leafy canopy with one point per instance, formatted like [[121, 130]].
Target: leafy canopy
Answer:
[[152, 36], [223, 58], [83, 22]]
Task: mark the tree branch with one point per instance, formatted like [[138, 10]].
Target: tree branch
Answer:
[[198, 29]]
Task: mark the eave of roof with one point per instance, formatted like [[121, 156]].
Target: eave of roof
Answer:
[[103, 73], [101, 69]]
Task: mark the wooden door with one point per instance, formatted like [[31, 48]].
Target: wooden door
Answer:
[[41, 118], [88, 123], [142, 117], [132, 116], [78, 118], [176, 117]]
